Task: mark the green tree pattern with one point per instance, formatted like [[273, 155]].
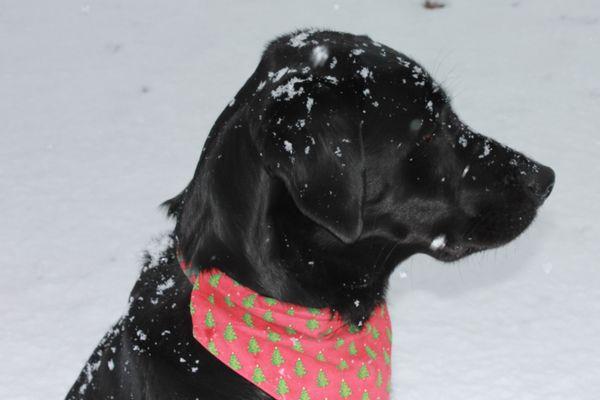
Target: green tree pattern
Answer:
[[297, 345], [249, 300], [277, 358], [322, 380], [379, 380], [345, 391], [209, 320], [212, 348], [214, 279], [304, 395], [282, 387], [352, 349], [270, 301], [229, 334], [228, 301], [273, 336], [299, 368], [363, 372], [370, 352], [253, 347], [386, 357], [247, 318], [258, 376], [268, 316], [312, 324], [234, 363]]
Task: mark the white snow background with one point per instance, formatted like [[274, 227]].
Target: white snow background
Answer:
[[105, 104]]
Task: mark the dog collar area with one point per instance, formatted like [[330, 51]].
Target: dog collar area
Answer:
[[290, 351]]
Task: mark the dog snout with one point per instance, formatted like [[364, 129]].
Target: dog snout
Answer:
[[539, 183]]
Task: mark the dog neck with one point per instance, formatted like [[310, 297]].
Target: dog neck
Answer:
[[246, 223]]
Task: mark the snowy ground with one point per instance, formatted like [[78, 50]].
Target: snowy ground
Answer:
[[104, 107]]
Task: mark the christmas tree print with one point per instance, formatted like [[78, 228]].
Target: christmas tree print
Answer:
[[209, 320], [386, 357], [212, 348], [282, 387], [304, 395], [365, 396], [214, 279], [379, 380], [339, 342], [247, 318], [228, 301], [370, 352], [289, 330], [211, 299], [290, 311], [253, 347], [342, 365], [320, 356], [234, 363], [312, 324], [196, 285], [248, 301], [299, 368], [268, 316], [328, 331], [273, 336], [363, 372], [258, 376], [352, 349], [229, 334], [277, 358], [345, 391], [322, 380], [314, 311], [375, 333], [352, 328], [192, 309], [270, 301], [296, 345]]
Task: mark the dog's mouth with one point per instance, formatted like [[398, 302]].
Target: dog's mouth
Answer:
[[484, 232]]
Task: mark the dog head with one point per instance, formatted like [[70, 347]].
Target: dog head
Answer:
[[340, 158]]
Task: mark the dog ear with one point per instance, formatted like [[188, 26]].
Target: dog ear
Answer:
[[314, 145]]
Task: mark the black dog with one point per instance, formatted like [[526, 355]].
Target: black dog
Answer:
[[337, 160]]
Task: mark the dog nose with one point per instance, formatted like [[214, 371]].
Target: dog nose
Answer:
[[539, 184]]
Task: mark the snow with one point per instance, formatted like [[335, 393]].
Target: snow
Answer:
[[289, 89], [319, 56], [299, 40], [465, 171], [309, 103], [365, 73], [288, 147], [276, 76], [105, 107], [438, 243]]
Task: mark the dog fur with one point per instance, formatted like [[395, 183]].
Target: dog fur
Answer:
[[338, 159]]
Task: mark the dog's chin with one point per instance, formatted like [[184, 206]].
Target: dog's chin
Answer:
[[454, 253], [485, 237]]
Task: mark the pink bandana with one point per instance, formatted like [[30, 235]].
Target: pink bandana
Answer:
[[290, 351]]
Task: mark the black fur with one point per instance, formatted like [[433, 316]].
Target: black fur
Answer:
[[312, 186]]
